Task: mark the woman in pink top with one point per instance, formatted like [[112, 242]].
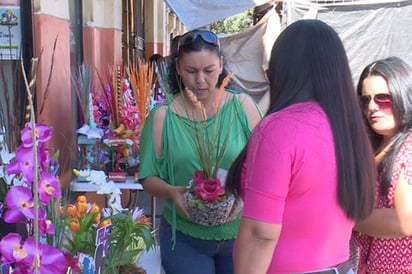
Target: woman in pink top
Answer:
[[385, 90], [308, 172]]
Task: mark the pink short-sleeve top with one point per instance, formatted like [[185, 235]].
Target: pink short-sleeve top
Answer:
[[290, 178]]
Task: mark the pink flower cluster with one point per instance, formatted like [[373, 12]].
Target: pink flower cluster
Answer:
[[129, 113], [208, 189]]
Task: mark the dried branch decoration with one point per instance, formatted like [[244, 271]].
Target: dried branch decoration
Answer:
[[141, 78]]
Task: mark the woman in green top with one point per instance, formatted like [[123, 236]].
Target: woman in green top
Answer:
[[169, 158]]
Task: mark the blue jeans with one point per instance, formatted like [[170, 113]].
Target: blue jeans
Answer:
[[192, 255]]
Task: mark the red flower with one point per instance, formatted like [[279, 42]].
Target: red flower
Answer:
[[199, 177], [209, 189]]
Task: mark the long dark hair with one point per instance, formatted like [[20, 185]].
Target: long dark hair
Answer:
[[197, 45], [308, 62], [398, 76]]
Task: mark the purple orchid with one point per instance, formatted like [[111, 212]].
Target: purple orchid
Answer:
[[42, 132], [48, 187], [19, 201], [46, 227], [52, 260], [23, 163], [43, 156], [13, 250]]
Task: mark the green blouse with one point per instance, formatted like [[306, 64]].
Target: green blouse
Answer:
[[179, 160]]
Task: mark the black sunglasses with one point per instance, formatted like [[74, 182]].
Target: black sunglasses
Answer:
[[382, 100], [207, 36]]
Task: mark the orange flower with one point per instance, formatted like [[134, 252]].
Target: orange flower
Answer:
[[105, 222], [71, 210], [81, 199], [81, 208], [144, 220], [95, 208], [96, 219], [74, 224]]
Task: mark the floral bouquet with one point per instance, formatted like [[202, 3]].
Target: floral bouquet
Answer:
[[206, 200], [112, 114]]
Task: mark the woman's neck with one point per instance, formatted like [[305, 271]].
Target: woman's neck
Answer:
[[383, 149]]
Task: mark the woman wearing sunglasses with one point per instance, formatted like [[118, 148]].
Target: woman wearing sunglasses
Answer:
[[385, 92], [308, 171], [168, 158]]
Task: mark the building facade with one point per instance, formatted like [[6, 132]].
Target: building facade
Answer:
[[55, 37]]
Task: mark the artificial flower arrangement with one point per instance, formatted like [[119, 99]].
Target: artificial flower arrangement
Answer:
[[117, 115], [30, 199], [122, 234], [206, 199], [130, 234], [59, 236]]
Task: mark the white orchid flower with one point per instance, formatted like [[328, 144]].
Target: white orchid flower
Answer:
[[107, 212], [115, 203], [9, 178], [97, 177], [108, 188], [5, 155]]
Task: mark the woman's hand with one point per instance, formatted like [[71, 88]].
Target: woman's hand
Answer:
[[177, 193]]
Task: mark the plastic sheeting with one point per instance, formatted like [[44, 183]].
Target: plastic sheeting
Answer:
[[199, 13]]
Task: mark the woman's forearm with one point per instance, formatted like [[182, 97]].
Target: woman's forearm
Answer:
[[254, 248], [157, 187], [382, 223]]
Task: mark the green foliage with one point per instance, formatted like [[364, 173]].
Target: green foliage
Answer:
[[234, 24], [128, 239], [82, 240]]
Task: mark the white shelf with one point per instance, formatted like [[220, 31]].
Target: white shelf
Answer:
[[85, 186]]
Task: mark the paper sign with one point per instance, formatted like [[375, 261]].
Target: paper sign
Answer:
[[10, 32]]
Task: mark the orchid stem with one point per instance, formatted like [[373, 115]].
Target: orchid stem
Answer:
[[35, 178]]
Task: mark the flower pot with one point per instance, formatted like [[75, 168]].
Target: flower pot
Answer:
[[212, 213], [132, 269]]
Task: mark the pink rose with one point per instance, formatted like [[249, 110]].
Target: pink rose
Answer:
[[209, 189]]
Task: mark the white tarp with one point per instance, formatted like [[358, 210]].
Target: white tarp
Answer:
[[199, 13]]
